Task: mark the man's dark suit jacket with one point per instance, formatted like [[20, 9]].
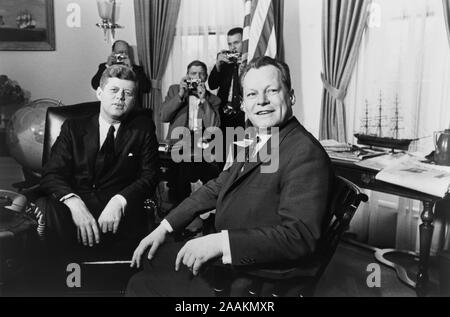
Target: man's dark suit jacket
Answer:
[[222, 80], [270, 217], [176, 111], [71, 167], [144, 84]]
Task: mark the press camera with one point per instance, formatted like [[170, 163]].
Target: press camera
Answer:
[[119, 58], [192, 85], [232, 56]]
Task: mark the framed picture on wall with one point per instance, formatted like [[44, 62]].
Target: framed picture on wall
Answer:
[[27, 25]]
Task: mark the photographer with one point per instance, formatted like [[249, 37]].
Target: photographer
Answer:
[[225, 76], [192, 106], [121, 55]]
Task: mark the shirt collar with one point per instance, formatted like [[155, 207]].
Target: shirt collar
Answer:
[[104, 125]]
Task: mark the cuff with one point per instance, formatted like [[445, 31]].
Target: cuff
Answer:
[[226, 252], [64, 198], [166, 225], [122, 201]]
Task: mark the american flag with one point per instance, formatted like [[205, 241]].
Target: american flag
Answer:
[[259, 37]]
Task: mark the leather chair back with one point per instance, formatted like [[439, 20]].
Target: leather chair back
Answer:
[[55, 118]]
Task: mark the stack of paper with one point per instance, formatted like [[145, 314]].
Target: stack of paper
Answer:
[[333, 145], [426, 178], [348, 152]]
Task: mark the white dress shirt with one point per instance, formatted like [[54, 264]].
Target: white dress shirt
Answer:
[[194, 123]]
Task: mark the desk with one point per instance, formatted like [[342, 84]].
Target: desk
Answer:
[[365, 178]]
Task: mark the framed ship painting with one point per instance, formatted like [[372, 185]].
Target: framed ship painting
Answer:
[[27, 25]]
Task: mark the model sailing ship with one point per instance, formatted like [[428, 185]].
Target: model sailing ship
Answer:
[[25, 20], [378, 140]]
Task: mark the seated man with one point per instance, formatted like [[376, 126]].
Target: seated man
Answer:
[[100, 170], [192, 106], [264, 217], [121, 55]]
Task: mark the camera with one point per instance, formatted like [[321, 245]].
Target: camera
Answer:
[[232, 56], [192, 85], [119, 58]]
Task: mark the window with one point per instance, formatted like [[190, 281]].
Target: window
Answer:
[[201, 33]]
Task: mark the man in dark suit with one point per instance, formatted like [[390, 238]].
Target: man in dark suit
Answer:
[[267, 215], [100, 170], [225, 77], [121, 55], [191, 106]]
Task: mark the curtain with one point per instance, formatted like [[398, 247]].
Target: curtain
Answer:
[[343, 24], [404, 60], [446, 4], [200, 34], [155, 30]]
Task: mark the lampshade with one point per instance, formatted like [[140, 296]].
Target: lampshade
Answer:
[[107, 12], [105, 9]]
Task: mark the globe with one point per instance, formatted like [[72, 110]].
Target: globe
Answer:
[[25, 134]]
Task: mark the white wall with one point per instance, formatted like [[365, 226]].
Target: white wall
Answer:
[[302, 36], [65, 74]]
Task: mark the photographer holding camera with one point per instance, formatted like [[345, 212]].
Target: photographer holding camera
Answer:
[[121, 55], [192, 106], [225, 76]]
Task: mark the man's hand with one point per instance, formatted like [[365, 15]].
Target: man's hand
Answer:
[[201, 92], [126, 60], [221, 58], [183, 87], [83, 219], [198, 251], [111, 59], [111, 215], [153, 240]]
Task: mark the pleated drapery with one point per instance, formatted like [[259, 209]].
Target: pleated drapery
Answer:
[[155, 31], [343, 24]]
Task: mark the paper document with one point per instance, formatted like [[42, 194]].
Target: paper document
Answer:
[[426, 178], [384, 161]]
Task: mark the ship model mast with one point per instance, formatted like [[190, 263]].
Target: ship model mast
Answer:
[[378, 140]]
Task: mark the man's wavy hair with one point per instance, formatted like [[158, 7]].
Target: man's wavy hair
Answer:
[[259, 62], [118, 71]]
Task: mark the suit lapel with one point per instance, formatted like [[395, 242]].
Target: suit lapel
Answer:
[[91, 140], [123, 137], [264, 155]]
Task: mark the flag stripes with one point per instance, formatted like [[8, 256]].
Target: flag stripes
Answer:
[[259, 37]]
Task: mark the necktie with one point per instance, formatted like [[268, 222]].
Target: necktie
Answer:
[[107, 151], [250, 152]]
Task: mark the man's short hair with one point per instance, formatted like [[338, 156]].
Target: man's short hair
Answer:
[[259, 62], [235, 31], [198, 63], [117, 42], [118, 71]]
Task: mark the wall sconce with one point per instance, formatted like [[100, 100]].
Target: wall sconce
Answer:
[[107, 10]]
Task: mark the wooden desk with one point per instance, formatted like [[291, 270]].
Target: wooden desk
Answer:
[[365, 178]]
